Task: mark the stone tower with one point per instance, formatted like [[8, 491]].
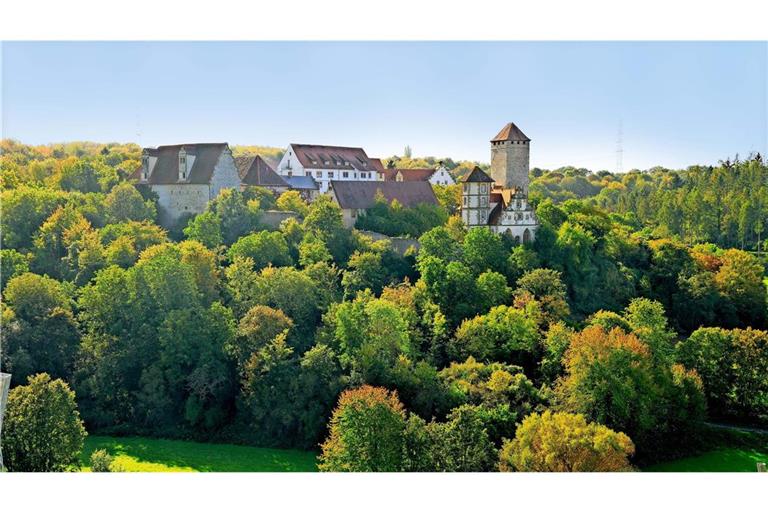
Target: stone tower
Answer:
[[510, 158]]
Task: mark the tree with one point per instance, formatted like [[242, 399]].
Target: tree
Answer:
[[42, 430], [739, 280], [504, 334], [484, 250], [124, 203], [39, 332], [206, 229], [565, 442], [364, 272], [291, 201], [259, 326], [325, 222], [732, 365], [366, 432], [12, 264], [492, 290], [546, 287], [236, 215], [462, 443], [263, 248], [613, 378]]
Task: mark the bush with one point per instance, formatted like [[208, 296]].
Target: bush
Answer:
[[101, 461], [42, 429]]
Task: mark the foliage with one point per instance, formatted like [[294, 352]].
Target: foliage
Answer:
[[732, 365], [101, 461], [42, 430], [565, 442], [367, 432]]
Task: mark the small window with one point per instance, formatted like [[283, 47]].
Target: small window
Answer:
[[330, 174], [318, 174], [355, 176], [483, 201], [465, 200], [345, 174]]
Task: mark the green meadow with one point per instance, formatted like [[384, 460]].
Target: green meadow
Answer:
[[730, 460], [165, 455]]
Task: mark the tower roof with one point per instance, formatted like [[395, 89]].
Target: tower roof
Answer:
[[477, 176], [510, 132]]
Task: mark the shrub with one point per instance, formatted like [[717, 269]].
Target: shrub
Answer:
[[101, 461], [42, 429]]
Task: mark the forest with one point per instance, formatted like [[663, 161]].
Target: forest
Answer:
[[637, 316]]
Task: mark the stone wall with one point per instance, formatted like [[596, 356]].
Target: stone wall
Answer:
[[510, 162], [178, 199], [400, 244]]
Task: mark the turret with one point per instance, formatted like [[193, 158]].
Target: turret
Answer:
[[475, 198]]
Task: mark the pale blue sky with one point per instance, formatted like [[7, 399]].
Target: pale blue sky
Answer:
[[679, 103]]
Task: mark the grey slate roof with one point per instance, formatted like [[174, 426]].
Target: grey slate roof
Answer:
[[254, 170], [510, 132], [477, 176], [362, 194], [166, 169], [301, 182]]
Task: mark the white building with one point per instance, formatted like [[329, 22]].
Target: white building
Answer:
[[328, 163], [438, 176], [501, 202], [186, 176]]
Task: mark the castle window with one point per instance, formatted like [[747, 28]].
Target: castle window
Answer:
[[483, 188], [465, 200], [483, 201]]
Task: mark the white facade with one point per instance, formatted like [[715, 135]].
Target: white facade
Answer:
[[441, 176], [340, 170]]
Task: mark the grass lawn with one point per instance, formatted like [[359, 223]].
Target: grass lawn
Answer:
[[146, 454], [731, 460]]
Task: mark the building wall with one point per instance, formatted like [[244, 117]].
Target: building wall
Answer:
[[225, 174], [291, 166], [178, 199], [441, 177], [510, 161], [475, 205]]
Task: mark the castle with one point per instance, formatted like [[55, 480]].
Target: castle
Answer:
[[500, 201]]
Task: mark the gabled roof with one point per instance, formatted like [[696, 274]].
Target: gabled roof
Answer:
[[477, 176], [254, 170], [166, 168], [420, 174], [510, 132], [301, 182], [335, 157], [362, 194]]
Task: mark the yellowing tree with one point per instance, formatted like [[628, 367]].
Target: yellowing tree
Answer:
[[565, 442], [367, 432]]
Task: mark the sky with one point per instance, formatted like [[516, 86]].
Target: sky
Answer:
[[675, 103]]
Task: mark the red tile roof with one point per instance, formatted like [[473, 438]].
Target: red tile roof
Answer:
[[335, 157], [254, 170], [362, 194], [510, 132]]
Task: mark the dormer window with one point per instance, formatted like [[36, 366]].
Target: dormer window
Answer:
[[144, 167], [182, 165]]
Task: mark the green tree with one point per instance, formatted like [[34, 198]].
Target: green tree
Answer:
[[42, 430], [291, 201], [39, 332], [124, 203], [263, 248], [206, 229]]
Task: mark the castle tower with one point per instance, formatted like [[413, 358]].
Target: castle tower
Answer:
[[510, 158], [475, 198]]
